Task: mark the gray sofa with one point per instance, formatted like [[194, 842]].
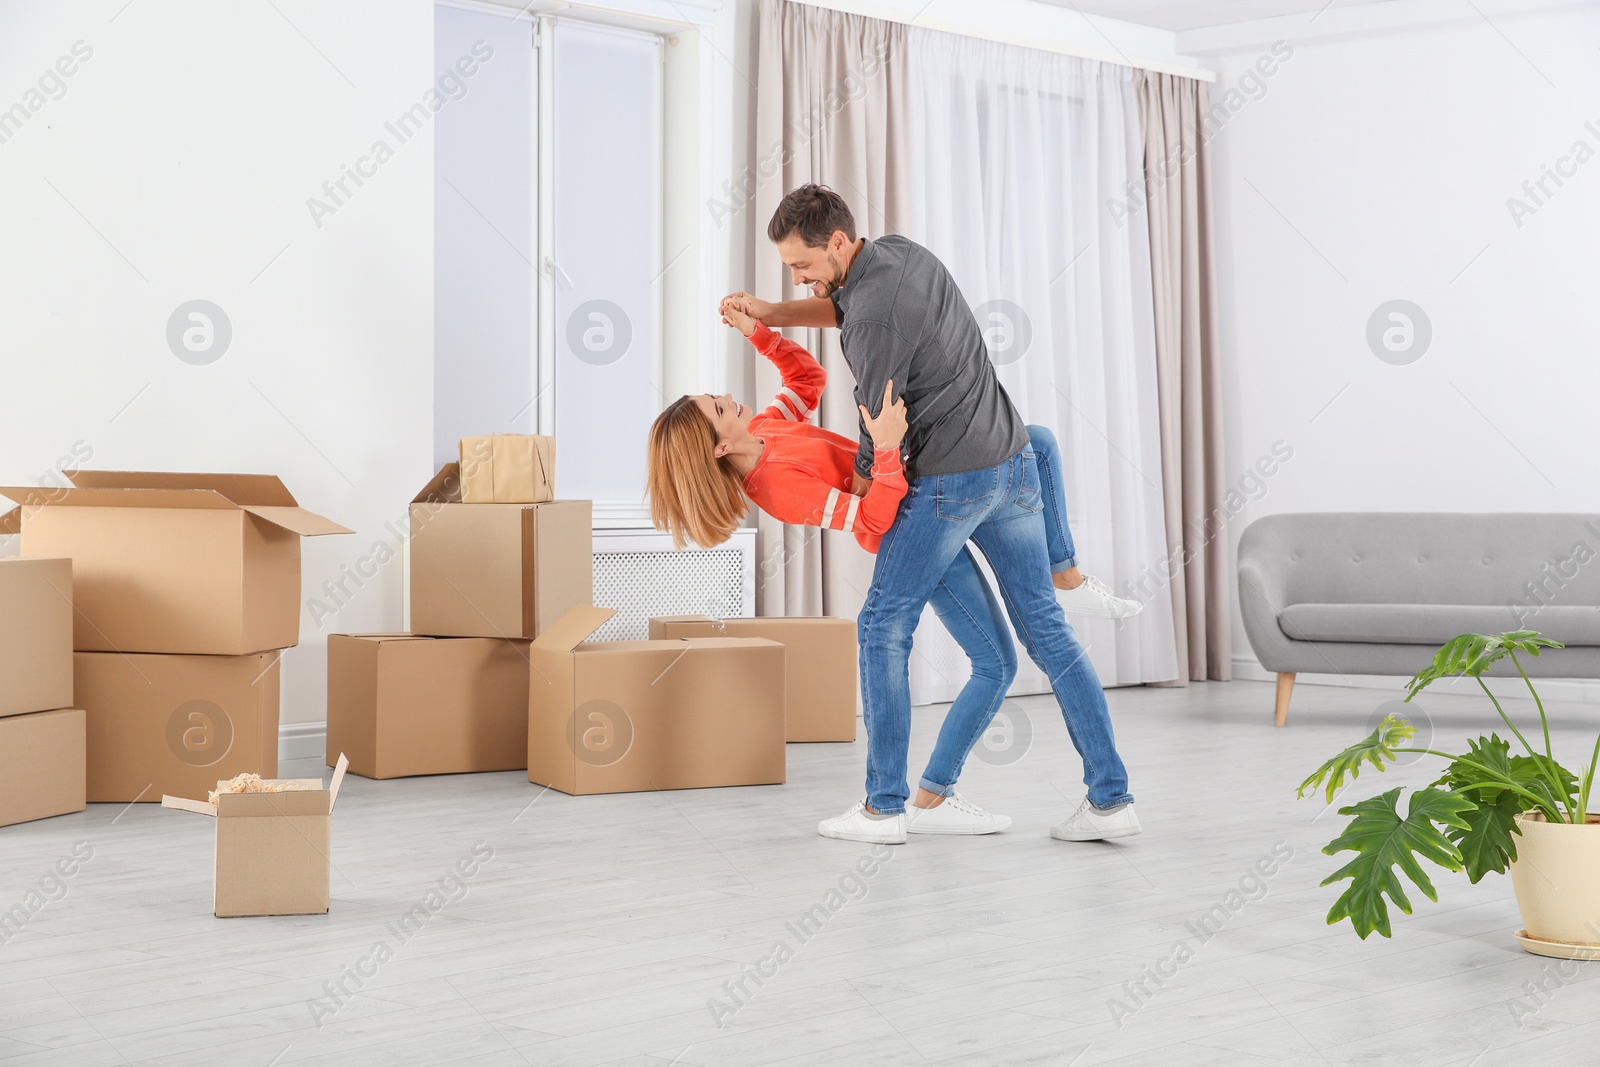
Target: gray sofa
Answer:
[[1379, 592]]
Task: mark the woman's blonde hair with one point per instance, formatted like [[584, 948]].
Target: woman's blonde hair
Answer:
[[693, 492]]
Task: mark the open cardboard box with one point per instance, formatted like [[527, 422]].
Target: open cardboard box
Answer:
[[166, 562], [495, 570], [819, 666], [627, 716], [272, 853], [35, 635], [401, 704]]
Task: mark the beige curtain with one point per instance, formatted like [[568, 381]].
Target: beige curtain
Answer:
[[1177, 164], [830, 100]]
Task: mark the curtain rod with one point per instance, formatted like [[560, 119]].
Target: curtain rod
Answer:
[[964, 29]]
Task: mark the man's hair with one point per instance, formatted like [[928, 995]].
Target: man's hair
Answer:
[[812, 212]]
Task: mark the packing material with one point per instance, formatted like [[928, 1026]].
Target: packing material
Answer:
[[508, 468]]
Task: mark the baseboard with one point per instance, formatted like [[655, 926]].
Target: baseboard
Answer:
[[303, 740], [1573, 690]]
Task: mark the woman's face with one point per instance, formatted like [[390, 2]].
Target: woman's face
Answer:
[[728, 417]]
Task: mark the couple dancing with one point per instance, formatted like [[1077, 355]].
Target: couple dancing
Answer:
[[944, 460]]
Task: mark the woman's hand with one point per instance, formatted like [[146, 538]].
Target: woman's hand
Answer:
[[889, 428], [735, 316]]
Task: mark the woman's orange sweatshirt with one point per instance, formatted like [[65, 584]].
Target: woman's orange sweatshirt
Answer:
[[804, 473]]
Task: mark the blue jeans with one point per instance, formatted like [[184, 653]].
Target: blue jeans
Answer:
[[1053, 489], [922, 559]]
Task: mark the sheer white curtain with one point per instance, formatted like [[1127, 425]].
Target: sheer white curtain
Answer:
[[1015, 155]]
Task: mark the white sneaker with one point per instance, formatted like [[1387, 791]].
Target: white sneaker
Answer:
[[1091, 598], [957, 815], [858, 824], [1089, 823]]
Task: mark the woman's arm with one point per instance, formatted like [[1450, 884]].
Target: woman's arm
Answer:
[[803, 377]]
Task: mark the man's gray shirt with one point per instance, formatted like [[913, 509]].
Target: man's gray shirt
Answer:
[[902, 318]]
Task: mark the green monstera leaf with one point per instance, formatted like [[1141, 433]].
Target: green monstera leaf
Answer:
[[1374, 749], [1472, 654], [1488, 843], [1383, 841]]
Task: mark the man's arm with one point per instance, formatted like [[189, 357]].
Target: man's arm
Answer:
[[815, 311]]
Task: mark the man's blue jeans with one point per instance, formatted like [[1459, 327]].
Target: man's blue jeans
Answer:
[[923, 558]]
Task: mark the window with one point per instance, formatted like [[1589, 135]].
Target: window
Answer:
[[548, 245]]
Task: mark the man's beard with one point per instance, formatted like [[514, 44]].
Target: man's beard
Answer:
[[832, 285]]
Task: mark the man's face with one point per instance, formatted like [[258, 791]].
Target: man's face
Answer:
[[820, 269]]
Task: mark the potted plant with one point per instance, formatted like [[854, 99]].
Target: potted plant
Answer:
[[1493, 808]]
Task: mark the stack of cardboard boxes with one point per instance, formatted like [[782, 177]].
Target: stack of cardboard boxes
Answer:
[[41, 733], [487, 577], [498, 672], [186, 589]]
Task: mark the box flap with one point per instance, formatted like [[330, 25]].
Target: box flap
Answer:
[[264, 489], [199, 807], [443, 488], [296, 520], [569, 631], [338, 780], [39, 496], [11, 522]]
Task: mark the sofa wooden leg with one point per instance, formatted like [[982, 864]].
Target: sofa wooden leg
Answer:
[[1285, 687]]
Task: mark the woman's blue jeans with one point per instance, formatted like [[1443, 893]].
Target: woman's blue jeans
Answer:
[[925, 559]]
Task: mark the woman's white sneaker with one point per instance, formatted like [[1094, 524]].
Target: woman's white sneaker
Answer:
[[957, 815], [1089, 823], [1091, 598], [859, 824]]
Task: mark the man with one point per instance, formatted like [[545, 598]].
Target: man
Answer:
[[902, 319]]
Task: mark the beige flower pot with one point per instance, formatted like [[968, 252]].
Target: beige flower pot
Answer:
[[1556, 876]]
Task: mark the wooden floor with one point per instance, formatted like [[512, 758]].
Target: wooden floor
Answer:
[[613, 930]]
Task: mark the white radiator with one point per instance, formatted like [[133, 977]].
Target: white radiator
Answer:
[[638, 573]]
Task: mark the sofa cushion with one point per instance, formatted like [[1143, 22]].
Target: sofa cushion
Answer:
[[1434, 624]]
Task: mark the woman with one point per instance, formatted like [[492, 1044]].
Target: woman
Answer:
[[710, 458]]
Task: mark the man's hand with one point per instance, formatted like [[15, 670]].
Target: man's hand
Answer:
[[889, 428], [760, 310], [859, 485]]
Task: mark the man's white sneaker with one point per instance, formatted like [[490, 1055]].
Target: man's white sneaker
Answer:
[[957, 815], [859, 824], [1089, 823], [1091, 598]]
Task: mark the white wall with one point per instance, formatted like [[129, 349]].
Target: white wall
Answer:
[[1378, 166], [176, 165]]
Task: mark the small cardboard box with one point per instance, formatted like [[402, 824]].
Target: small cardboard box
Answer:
[[41, 765], [273, 855], [819, 665], [495, 570], [35, 635], [627, 716], [400, 704], [182, 563], [508, 468], [175, 724]]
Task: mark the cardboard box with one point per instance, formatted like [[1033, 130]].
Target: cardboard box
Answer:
[[495, 570], [183, 563], [35, 635], [820, 658], [175, 724], [400, 704], [41, 765], [273, 855], [626, 716], [508, 468]]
